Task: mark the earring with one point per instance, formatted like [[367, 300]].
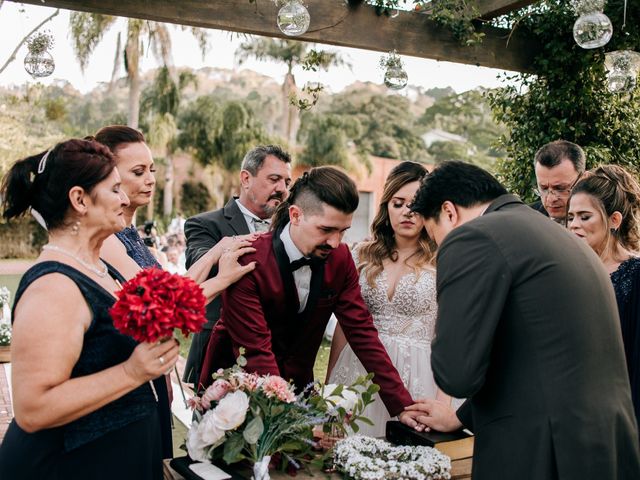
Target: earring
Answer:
[[75, 228]]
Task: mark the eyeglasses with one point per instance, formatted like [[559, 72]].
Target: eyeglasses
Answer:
[[557, 192]]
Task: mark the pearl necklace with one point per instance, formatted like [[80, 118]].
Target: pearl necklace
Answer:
[[100, 272]]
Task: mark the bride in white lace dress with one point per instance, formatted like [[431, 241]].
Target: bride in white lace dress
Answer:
[[397, 278]]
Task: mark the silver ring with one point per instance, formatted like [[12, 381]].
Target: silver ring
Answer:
[[161, 360]]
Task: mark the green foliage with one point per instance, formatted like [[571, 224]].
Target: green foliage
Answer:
[[87, 30], [289, 52], [568, 99], [326, 137], [219, 133], [387, 125], [195, 198]]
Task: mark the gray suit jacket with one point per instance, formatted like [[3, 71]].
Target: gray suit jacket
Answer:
[[528, 331], [203, 231]]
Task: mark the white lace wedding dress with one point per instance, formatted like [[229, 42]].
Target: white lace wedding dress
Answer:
[[405, 325]]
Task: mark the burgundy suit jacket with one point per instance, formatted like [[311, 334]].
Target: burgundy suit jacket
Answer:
[[259, 313]]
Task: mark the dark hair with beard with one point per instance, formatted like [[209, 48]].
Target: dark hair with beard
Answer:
[[383, 246], [318, 186], [253, 160], [460, 183]]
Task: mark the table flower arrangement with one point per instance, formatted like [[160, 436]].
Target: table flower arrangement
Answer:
[[245, 416], [367, 458]]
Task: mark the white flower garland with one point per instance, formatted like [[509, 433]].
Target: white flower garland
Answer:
[[367, 458]]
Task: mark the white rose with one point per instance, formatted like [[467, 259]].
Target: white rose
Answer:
[[196, 447], [210, 433], [231, 410], [347, 399]]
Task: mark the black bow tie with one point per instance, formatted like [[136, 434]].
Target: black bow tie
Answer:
[[301, 262]]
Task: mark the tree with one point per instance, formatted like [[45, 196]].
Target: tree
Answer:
[[220, 133], [88, 29], [160, 105], [326, 138], [292, 54], [388, 127], [568, 98]]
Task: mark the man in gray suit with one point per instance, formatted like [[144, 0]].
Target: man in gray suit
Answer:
[[264, 177], [528, 332]]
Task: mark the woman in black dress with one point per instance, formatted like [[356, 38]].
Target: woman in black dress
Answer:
[[82, 401], [604, 210]]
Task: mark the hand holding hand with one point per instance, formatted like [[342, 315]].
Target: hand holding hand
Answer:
[[432, 414], [151, 360]]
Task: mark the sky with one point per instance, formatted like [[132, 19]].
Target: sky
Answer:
[[17, 20]]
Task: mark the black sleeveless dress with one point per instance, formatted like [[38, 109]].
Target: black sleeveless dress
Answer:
[[140, 253], [120, 440]]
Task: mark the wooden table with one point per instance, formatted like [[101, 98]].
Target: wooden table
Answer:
[[460, 470]]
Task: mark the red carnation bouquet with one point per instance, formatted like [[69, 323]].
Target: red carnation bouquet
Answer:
[[154, 303]]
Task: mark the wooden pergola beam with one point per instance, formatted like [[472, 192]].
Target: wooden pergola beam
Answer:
[[333, 23], [494, 8]]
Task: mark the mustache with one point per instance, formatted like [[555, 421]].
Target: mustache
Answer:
[[325, 247], [276, 196]]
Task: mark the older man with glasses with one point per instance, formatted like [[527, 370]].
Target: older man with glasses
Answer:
[[558, 166]]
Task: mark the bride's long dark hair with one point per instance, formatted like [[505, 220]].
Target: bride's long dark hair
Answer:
[[383, 246]]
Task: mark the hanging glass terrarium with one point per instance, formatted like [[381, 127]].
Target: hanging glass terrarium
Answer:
[[592, 29], [293, 18], [622, 70], [39, 62], [395, 76]]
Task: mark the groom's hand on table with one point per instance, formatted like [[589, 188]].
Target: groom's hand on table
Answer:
[[430, 414]]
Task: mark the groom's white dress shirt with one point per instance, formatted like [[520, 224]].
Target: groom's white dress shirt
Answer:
[[302, 276]]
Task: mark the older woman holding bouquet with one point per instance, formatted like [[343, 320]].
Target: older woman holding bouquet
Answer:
[[83, 405], [126, 251]]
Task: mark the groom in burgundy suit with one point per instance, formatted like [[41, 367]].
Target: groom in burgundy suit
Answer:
[[278, 312]]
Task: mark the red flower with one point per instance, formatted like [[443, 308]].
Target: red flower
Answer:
[[155, 302]]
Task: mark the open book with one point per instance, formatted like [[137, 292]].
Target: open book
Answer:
[[456, 445]]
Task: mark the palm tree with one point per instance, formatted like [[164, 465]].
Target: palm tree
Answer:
[[88, 29], [291, 53], [160, 104]]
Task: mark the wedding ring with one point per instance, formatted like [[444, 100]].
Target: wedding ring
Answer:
[[161, 360]]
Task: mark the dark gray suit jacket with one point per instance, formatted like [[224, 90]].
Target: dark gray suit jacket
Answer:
[[528, 331], [203, 231]]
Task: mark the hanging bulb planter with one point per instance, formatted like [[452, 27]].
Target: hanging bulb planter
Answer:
[[592, 29], [293, 18], [622, 70], [395, 76], [39, 62]]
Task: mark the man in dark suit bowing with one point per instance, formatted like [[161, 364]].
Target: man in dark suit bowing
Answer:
[[264, 177], [528, 331], [279, 311]]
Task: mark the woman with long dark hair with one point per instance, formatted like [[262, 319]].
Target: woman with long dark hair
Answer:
[[397, 279], [81, 395]]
